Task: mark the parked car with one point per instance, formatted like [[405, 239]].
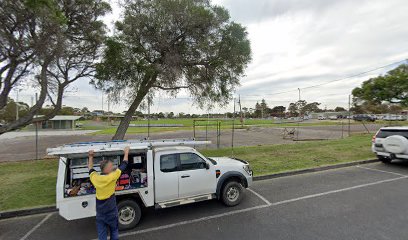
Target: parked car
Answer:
[[364, 117], [333, 118], [321, 118], [161, 174], [394, 118], [391, 143]]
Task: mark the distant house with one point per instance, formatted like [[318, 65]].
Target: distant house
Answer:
[[98, 113], [60, 122]]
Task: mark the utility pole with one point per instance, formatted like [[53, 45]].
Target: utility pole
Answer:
[[349, 115], [148, 118], [36, 133], [240, 112], [299, 93], [17, 105], [233, 129]]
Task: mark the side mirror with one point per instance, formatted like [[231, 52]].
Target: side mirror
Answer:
[[207, 165]]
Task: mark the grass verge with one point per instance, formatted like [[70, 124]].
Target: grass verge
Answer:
[[32, 183]]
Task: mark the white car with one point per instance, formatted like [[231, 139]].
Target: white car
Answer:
[[391, 143], [161, 174], [321, 118]]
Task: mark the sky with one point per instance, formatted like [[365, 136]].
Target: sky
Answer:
[[295, 44]]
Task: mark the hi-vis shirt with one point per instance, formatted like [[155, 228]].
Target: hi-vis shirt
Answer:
[[105, 184]]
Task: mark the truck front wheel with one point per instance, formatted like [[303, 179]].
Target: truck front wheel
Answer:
[[129, 214], [232, 193]]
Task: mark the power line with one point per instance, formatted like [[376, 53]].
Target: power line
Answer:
[[332, 81]]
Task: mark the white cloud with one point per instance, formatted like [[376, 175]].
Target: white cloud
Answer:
[[299, 43]]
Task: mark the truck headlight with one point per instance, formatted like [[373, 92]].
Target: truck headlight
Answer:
[[247, 169]]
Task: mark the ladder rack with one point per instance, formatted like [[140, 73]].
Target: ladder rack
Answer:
[[113, 146]]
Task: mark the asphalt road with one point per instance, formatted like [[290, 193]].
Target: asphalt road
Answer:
[[364, 202]]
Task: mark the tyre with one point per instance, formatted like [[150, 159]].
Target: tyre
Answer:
[[232, 193], [129, 214], [384, 159]]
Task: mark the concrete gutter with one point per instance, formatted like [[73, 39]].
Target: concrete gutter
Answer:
[[52, 208]]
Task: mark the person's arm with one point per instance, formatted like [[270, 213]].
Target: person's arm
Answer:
[[90, 161], [125, 161]]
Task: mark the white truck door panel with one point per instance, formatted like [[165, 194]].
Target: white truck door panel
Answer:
[[166, 177], [78, 207], [194, 178]]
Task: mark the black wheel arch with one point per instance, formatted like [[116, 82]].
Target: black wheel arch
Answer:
[[230, 176]]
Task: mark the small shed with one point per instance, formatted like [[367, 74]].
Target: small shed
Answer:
[[60, 122]]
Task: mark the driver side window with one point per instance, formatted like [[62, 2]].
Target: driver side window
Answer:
[[191, 161]]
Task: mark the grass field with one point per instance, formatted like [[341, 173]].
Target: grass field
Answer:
[[32, 183], [106, 129]]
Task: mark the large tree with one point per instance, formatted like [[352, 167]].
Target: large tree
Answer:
[[173, 45], [391, 88], [47, 44]]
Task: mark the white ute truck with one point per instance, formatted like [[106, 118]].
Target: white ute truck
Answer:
[[160, 173]]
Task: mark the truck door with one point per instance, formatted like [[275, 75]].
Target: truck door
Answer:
[[194, 177], [72, 208], [166, 177]]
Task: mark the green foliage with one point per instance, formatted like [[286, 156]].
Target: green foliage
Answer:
[[391, 87], [173, 45], [8, 113]]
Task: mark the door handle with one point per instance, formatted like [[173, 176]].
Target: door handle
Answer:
[[185, 176]]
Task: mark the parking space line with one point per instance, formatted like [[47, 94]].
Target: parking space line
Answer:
[[378, 170], [260, 196], [337, 191], [192, 221], [36, 227], [260, 206]]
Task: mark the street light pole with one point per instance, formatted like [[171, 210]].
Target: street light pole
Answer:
[[17, 105], [299, 93]]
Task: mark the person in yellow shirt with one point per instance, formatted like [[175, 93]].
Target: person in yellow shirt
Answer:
[[105, 183]]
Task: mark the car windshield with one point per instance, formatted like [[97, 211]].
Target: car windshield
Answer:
[[389, 132]]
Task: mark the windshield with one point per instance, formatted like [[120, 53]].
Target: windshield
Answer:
[[387, 133]]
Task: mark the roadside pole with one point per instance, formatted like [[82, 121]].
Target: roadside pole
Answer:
[[148, 118], [349, 115], [233, 129], [36, 134]]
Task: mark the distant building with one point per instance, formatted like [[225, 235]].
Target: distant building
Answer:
[[98, 113], [60, 122]]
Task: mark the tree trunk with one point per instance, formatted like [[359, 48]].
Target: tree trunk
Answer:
[[124, 123]]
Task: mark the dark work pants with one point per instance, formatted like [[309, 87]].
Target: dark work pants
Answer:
[[107, 218]]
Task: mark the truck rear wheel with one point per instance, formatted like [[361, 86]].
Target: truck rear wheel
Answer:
[[129, 214], [232, 193]]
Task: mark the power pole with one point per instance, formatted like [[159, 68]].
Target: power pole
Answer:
[[148, 117], [233, 129], [36, 133], [299, 93], [349, 115], [240, 111], [17, 105]]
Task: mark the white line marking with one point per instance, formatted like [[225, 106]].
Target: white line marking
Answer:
[[336, 191], [258, 207], [260, 196], [378, 170], [36, 227], [192, 221]]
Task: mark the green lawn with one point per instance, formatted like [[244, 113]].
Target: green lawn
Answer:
[[281, 158], [32, 183], [106, 129], [27, 184]]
